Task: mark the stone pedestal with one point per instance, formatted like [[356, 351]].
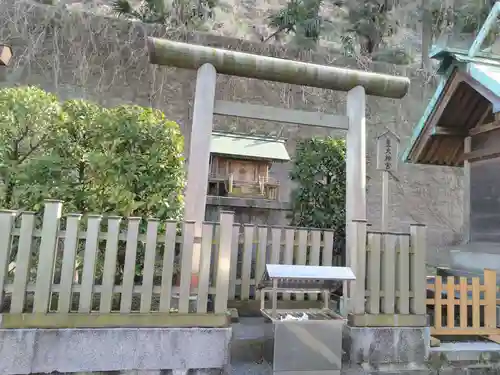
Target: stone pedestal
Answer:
[[374, 347]]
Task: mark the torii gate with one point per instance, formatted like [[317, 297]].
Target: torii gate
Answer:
[[209, 61]]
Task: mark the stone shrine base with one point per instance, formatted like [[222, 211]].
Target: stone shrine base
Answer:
[[133, 351]]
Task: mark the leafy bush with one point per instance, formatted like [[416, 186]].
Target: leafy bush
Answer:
[[125, 160]]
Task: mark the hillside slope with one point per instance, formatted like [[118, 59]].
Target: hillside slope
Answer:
[[247, 19]]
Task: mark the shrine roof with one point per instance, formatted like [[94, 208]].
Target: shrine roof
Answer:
[[466, 97], [246, 146]]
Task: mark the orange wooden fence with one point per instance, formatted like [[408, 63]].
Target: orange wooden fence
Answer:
[[463, 305]]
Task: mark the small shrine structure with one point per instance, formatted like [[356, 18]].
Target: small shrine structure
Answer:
[[240, 165]]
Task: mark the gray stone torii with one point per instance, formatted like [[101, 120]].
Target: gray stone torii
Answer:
[[209, 61]]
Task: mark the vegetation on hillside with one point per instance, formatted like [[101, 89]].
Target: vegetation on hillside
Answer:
[[125, 160], [367, 24], [370, 28]]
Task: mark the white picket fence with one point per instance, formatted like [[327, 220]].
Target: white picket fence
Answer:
[[67, 263]]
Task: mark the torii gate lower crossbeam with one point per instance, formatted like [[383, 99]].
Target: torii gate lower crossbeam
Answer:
[[210, 61]]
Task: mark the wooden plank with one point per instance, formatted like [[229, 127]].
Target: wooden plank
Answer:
[[222, 283], [186, 265], [290, 116], [463, 332], [90, 255], [449, 132], [275, 245], [490, 299], [148, 271], [357, 292], [288, 254], [418, 268], [113, 320], [7, 219], [261, 256], [389, 274], [484, 128], [23, 262], [404, 275], [450, 302], [110, 259], [129, 267], [68, 265], [466, 191], [373, 272], [233, 272], [476, 312], [205, 261], [168, 266], [327, 255], [45, 268], [246, 266], [301, 256], [482, 154], [314, 255], [438, 311], [463, 302]]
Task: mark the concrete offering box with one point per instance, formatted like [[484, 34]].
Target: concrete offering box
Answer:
[[305, 341]]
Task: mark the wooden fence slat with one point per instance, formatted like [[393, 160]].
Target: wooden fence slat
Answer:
[[357, 260], [246, 267], [389, 273], [373, 272], [314, 256], [129, 267], [403, 301], [490, 299], [23, 262], [148, 271], [476, 307], [205, 261], [464, 298], [110, 259], [186, 266], [418, 268], [438, 310], [222, 283], [275, 245], [301, 255], [48, 244], [327, 258], [68, 265], [450, 302], [261, 257], [7, 219], [168, 266], [233, 272], [91, 244], [288, 253]]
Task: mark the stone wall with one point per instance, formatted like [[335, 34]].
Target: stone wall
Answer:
[[104, 59]]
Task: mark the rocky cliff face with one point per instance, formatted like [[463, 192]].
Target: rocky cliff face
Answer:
[[78, 55]]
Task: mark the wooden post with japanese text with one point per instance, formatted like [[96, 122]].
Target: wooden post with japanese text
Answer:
[[387, 161]]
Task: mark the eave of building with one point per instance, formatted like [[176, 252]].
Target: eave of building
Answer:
[[465, 97], [248, 147]]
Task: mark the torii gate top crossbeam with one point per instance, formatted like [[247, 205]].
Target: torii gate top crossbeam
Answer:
[[191, 56]]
